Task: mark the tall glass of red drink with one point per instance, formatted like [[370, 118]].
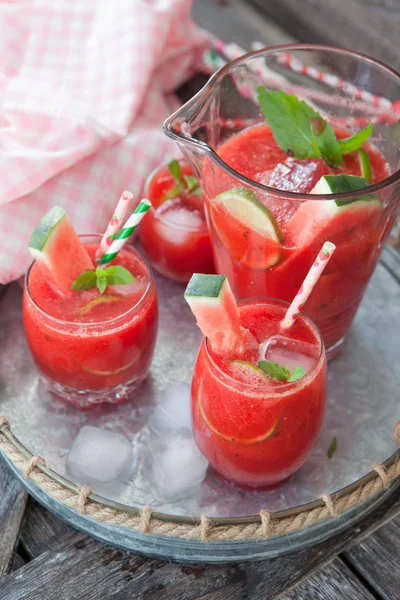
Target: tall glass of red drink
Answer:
[[266, 227], [92, 348], [256, 430]]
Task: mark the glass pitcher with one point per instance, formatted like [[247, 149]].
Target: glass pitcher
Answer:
[[222, 133]]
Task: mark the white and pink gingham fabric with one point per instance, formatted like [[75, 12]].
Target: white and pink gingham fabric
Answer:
[[84, 89]]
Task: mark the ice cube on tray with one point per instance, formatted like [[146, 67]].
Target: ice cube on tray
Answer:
[[173, 465], [99, 455], [173, 411]]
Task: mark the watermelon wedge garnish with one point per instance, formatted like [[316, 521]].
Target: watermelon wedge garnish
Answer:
[[55, 245], [337, 220], [213, 304]]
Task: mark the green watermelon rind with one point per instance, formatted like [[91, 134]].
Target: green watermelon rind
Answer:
[[316, 215], [205, 288], [43, 232], [339, 184]]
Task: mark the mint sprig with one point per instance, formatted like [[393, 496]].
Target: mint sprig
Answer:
[[301, 132], [183, 183], [332, 448], [277, 371], [101, 278]]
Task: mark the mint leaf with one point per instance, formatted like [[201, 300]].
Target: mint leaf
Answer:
[[329, 146], [192, 183], [174, 191], [85, 281], [274, 370], [101, 283], [114, 275], [290, 121], [175, 169], [117, 275], [297, 373], [355, 142], [332, 448], [301, 132]]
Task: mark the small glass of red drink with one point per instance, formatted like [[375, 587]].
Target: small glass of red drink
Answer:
[[92, 348], [267, 220], [256, 430], [174, 234]]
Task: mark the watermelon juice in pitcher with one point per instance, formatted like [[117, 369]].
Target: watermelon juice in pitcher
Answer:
[[285, 163], [91, 330]]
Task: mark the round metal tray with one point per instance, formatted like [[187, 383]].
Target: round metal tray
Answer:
[[363, 409]]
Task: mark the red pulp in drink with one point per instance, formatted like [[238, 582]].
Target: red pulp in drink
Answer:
[[174, 233], [256, 430], [87, 341], [241, 253]]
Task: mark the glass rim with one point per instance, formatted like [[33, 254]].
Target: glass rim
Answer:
[[95, 324], [270, 50], [160, 217], [285, 387]]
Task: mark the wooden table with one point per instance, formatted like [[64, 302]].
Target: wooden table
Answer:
[[41, 558]]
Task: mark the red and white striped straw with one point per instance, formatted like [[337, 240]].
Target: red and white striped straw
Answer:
[[115, 224], [333, 81], [362, 100], [308, 284]]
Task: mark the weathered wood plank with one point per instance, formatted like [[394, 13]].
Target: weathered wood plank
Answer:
[[40, 530], [366, 26], [17, 562], [334, 582], [13, 500], [377, 558], [238, 22], [84, 569]]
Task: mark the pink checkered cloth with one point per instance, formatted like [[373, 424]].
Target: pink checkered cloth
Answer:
[[84, 89]]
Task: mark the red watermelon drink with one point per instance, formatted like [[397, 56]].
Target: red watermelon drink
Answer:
[[91, 331], [174, 235], [264, 155], [265, 243], [258, 393]]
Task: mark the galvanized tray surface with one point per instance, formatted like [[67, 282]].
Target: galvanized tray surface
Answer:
[[362, 410]]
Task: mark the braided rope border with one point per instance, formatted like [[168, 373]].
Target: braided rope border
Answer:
[[263, 526]]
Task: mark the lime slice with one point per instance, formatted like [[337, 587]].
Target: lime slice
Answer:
[[104, 373], [96, 301], [248, 370], [365, 165], [244, 205], [247, 228], [256, 440]]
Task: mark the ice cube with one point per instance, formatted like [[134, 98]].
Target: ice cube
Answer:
[[174, 466], [290, 353], [99, 455], [298, 175], [173, 411], [135, 287]]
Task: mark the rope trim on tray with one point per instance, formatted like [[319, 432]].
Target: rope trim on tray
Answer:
[[266, 525]]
